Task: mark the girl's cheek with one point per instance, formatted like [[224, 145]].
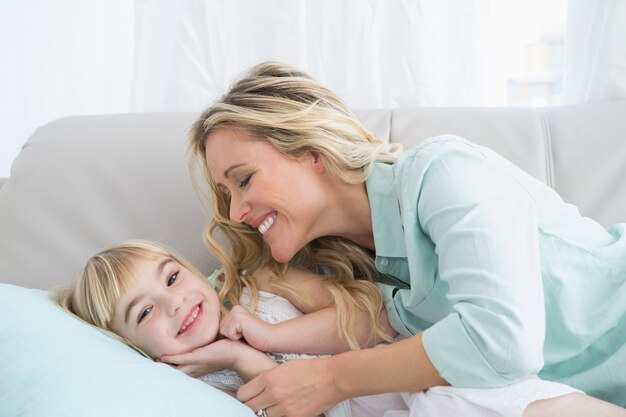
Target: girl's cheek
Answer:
[[149, 334]]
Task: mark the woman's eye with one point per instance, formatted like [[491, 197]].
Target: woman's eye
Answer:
[[245, 181], [172, 278], [144, 314]]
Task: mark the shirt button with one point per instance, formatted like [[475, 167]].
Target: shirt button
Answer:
[[384, 262]]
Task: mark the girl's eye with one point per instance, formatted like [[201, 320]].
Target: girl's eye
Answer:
[[172, 278], [144, 314], [245, 181]]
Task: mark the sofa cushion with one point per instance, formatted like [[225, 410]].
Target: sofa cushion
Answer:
[[81, 183], [589, 143]]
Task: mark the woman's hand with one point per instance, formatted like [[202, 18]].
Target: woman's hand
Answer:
[[299, 388]]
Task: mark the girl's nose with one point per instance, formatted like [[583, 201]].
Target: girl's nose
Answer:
[[173, 303]]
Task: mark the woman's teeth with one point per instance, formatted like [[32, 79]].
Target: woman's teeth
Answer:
[[190, 320], [265, 226]]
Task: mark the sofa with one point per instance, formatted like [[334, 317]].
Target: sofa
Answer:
[[83, 182]]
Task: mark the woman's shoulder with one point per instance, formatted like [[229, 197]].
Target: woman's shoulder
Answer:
[[417, 161], [439, 146], [451, 163]]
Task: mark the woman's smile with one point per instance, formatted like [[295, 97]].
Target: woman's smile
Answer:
[[267, 223]]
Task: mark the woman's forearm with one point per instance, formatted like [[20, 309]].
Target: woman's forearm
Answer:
[[398, 367], [317, 333]]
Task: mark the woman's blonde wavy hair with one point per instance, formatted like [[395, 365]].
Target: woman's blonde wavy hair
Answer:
[[297, 115], [105, 278]]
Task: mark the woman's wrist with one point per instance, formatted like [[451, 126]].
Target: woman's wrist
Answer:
[[340, 378], [397, 367]]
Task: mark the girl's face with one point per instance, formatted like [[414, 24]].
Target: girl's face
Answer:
[[167, 309], [282, 198]]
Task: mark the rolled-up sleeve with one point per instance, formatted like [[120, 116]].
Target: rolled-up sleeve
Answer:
[[483, 225]]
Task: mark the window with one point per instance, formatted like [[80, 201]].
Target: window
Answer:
[[527, 52]]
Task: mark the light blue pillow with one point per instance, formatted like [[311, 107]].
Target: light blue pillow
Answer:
[[52, 364]]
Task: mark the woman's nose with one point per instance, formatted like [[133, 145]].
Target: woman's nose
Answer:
[[239, 209]]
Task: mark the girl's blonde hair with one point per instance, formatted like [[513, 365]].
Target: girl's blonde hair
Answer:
[[106, 277], [296, 114]]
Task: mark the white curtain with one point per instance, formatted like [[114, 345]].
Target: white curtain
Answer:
[[72, 57], [595, 63], [60, 58], [376, 53]]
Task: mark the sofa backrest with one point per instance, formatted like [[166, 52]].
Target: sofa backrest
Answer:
[[81, 183]]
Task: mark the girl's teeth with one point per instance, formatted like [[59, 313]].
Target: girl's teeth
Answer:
[[190, 320], [265, 226]]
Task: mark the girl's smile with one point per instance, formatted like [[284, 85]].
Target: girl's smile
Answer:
[[192, 318]]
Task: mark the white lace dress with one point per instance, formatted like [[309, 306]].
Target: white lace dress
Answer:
[[510, 401]]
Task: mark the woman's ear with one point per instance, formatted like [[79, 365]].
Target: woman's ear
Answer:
[[318, 164]]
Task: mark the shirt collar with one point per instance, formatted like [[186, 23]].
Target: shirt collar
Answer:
[[385, 208]]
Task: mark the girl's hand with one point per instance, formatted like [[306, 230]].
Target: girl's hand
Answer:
[[240, 323], [238, 356], [220, 354], [299, 388]]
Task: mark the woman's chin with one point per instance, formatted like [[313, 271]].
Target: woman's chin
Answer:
[[281, 254]]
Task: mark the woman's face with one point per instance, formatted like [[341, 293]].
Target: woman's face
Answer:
[[280, 197]]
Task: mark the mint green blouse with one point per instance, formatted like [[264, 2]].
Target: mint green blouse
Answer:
[[502, 276]]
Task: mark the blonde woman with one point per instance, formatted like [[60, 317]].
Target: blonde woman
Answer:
[[489, 274]]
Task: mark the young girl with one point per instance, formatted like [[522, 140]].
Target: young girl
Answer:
[[159, 304]]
